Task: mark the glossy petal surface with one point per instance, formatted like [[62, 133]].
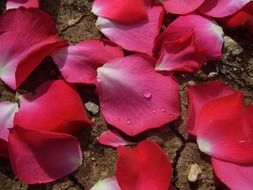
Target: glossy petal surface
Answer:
[[13, 4]]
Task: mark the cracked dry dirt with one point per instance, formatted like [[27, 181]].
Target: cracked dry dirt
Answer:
[[75, 22]]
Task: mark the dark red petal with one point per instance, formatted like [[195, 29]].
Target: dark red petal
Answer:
[[225, 131], [13, 4], [4, 148], [137, 38], [235, 176], [143, 167], [112, 139], [56, 106], [222, 8], [125, 12], [182, 6], [201, 94], [28, 35], [133, 97], [78, 63], [207, 34], [42, 157]]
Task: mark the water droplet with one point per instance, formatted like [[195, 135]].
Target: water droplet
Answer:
[[163, 110], [153, 111], [147, 94], [129, 122], [171, 115]]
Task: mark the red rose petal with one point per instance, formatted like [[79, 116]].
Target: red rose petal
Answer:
[[55, 107], [42, 157], [125, 12], [4, 148], [222, 8], [78, 63], [235, 176], [28, 35], [112, 139], [143, 167], [225, 131], [201, 94], [133, 97], [13, 4], [137, 38], [182, 6]]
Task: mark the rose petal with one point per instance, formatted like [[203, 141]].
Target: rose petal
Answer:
[[139, 37], [109, 183], [235, 176], [224, 131], [42, 157], [222, 8], [4, 148], [181, 7], [13, 4], [125, 12], [112, 139], [201, 94], [143, 167], [78, 63], [55, 107], [207, 34], [133, 97], [28, 35]]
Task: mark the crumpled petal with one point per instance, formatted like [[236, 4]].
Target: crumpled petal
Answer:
[[13, 4], [222, 8], [207, 34], [78, 63], [109, 183], [181, 55], [143, 167], [124, 12], [112, 139], [42, 157], [56, 106], [182, 6], [133, 97], [201, 94], [137, 38], [236, 177], [224, 130], [28, 35]]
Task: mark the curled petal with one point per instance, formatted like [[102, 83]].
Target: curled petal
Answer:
[[13, 4], [139, 37], [146, 166], [78, 63], [133, 97], [225, 131], [125, 12], [181, 7], [56, 106], [42, 157], [222, 8], [109, 183], [200, 95], [28, 35], [234, 176]]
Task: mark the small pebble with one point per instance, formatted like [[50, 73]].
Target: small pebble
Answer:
[[191, 83], [92, 107], [194, 173]]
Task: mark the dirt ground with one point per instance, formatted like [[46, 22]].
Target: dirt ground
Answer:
[[75, 22]]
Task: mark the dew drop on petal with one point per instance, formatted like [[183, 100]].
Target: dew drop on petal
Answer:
[[171, 115], [163, 110], [153, 111], [147, 94], [129, 122]]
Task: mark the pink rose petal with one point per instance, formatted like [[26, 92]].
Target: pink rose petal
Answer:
[[143, 167], [78, 63], [28, 35], [137, 38], [42, 157], [13, 4], [182, 6], [56, 106], [125, 12], [133, 97], [224, 130], [200, 95], [222, 8], [109, 183]]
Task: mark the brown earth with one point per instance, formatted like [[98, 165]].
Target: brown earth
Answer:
[[75, 22]]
